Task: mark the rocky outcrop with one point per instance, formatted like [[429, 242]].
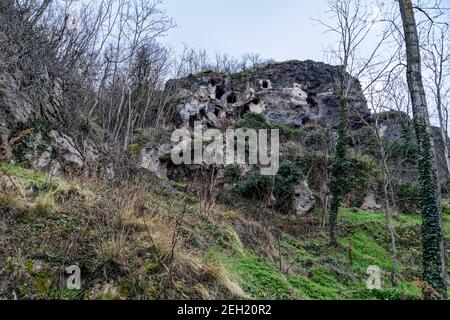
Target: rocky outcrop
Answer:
[[37, 133], [291, 93], [295, 94], [370, 203], [397, 127], [304, 200], [156, 159]]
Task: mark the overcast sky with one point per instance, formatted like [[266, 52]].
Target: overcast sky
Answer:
[[278, 29]]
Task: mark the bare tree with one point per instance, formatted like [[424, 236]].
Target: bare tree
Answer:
[[353, 23], [437, 76], [433, 256], [251, 61], [378, 96]]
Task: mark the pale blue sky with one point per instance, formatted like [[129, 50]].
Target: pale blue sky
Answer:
[[278, 29]]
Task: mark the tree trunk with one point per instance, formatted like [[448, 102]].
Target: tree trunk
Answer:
[[389, 212], [338, 169], [443, 131], [433, 256], [390, 225]]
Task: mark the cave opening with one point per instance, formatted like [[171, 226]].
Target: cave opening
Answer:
[[231, 98], [192, 119], [265, 84], [219, 92], [312, 100], [245, 110], [178, 173], [306, 120]]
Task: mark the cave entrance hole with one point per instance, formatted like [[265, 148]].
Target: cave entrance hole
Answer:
[[231, 98]]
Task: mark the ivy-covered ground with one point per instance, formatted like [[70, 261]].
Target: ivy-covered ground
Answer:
[[310, 269], [121, 236]]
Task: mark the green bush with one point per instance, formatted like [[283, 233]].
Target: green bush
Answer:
[[253, 121], [315, 137], [363, 172], [284, 190], [288, 132], [232, 173], [357, 200], [134, 149], [315, 164], [405, 148], [366, 139], [408, 197], [28, 144], [308, 159], [258, 121], [254, 185], [289, 173], [281, 186], [363, 175]]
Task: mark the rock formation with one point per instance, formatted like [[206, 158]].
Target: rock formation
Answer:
[[293, 94], [290, 93], [38, 132]]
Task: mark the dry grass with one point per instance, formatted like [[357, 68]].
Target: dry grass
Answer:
[[130, 240], [223, 276], [43, 205]]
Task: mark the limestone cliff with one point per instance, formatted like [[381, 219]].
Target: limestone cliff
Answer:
[[289, 93]]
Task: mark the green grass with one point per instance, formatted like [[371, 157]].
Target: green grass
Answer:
[[310, 289], [310, 268], [313, 270], [258, 278], [367, 252], [22, 173], [35, 182]]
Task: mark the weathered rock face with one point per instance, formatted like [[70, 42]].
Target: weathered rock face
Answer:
[[155, 160], [304, 200], [397, 127], [35, 132], [293, 93], [290, 93], [370, 203]]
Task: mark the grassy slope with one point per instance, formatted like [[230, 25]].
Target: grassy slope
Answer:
[[123, 244], [319, 272]]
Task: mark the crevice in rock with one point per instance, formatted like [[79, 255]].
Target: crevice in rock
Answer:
[[306, 120], [231, 98], [219, 92], [178, 173], [255, 101], [312, 100], [193, 118], [245, 109]]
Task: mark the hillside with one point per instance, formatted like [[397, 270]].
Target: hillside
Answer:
[[123, 245], [140, 227], [129, 172]]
